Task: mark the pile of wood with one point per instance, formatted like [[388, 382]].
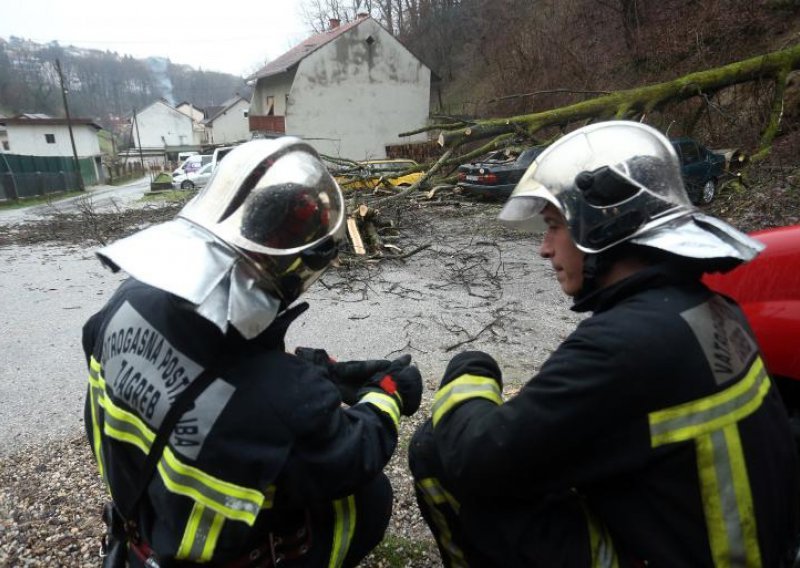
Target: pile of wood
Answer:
[[370, 234]]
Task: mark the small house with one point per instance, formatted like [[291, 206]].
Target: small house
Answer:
[[349, 91]]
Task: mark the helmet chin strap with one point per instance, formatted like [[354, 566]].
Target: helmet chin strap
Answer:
[[597, 265], [591, 273]]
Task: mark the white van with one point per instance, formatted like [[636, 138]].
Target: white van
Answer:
[[192, 164]]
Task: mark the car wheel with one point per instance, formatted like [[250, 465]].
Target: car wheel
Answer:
[[187, 185], [709, 191]]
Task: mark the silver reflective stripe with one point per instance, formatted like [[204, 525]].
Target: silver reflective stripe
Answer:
[[712, 423], [231, 501], [201, 534], [727, 498], [702, 416]]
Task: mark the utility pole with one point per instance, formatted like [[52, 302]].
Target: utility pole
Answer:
[[69, 126], [138, 140]]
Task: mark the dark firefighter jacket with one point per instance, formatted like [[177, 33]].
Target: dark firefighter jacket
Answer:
[[269, 434], [657, 409]]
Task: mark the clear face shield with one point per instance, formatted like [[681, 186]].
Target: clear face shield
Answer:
[[276, 204], [610, 180]]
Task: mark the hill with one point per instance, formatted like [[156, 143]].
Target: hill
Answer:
[[103, 85]]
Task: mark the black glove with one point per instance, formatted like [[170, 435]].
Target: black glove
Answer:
[[348, 376], [401, 379], [472, 363]]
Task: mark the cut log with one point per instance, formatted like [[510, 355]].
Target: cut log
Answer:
[[355, 236]]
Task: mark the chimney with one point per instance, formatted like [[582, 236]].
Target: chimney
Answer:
[[333, 23]]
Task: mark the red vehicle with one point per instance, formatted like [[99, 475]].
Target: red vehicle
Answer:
[[768, 289]]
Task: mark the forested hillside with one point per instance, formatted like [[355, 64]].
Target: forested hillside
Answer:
[[102, 85], [507, 57]]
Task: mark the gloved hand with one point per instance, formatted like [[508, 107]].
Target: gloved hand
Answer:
[[401, 379], [472, 363], [348, 376]]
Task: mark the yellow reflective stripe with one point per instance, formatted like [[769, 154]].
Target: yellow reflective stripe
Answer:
[[744, 498], [465, 387], [201, 534], [438, 493], [231, 501], [94, 405], [699, 417], [344, 511], [434, 494], [722, 470], [385, 403], [126, 426], [602, 550], [727, 500]]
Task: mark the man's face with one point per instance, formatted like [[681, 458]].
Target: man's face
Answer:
[[560, 249]]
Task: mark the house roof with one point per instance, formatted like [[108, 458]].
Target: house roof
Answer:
[[215, 112], [44, 120], [303, 50]]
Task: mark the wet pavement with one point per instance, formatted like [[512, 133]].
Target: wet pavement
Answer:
[[472, 288]]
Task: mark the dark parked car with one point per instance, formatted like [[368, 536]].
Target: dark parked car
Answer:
[[701, 169], [496, 174]]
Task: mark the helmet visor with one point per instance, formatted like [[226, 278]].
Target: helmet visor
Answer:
[[295, 205]]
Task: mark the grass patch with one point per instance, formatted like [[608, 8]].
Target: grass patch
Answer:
[[399, 552], [169, 196], [38, 200]]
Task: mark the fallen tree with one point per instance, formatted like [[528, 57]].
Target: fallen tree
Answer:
[[631, 104], [463, 140]]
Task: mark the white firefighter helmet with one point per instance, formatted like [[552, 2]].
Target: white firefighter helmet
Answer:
[[620, 181], [274, 202]]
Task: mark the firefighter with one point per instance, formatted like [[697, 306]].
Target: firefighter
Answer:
[[265, 465], [652, 436]]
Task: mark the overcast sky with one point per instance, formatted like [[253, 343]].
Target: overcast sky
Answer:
[[232, 37]]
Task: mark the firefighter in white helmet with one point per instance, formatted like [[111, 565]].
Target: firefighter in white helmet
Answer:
[[653, 435], [218, 447]]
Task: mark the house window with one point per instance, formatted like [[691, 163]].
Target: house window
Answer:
[[370, 40], [50, 138], [270, 106], [246, 113]]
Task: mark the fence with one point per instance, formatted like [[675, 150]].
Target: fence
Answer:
[[29, 176]]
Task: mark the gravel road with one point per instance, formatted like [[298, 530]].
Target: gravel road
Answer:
[[476, 286]]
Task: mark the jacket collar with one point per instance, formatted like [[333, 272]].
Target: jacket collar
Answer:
[[651, 277]]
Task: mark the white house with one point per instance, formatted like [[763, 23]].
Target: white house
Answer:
[[349, 91], [160, 129], [229, 124], [191, 111], [41, 135]]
